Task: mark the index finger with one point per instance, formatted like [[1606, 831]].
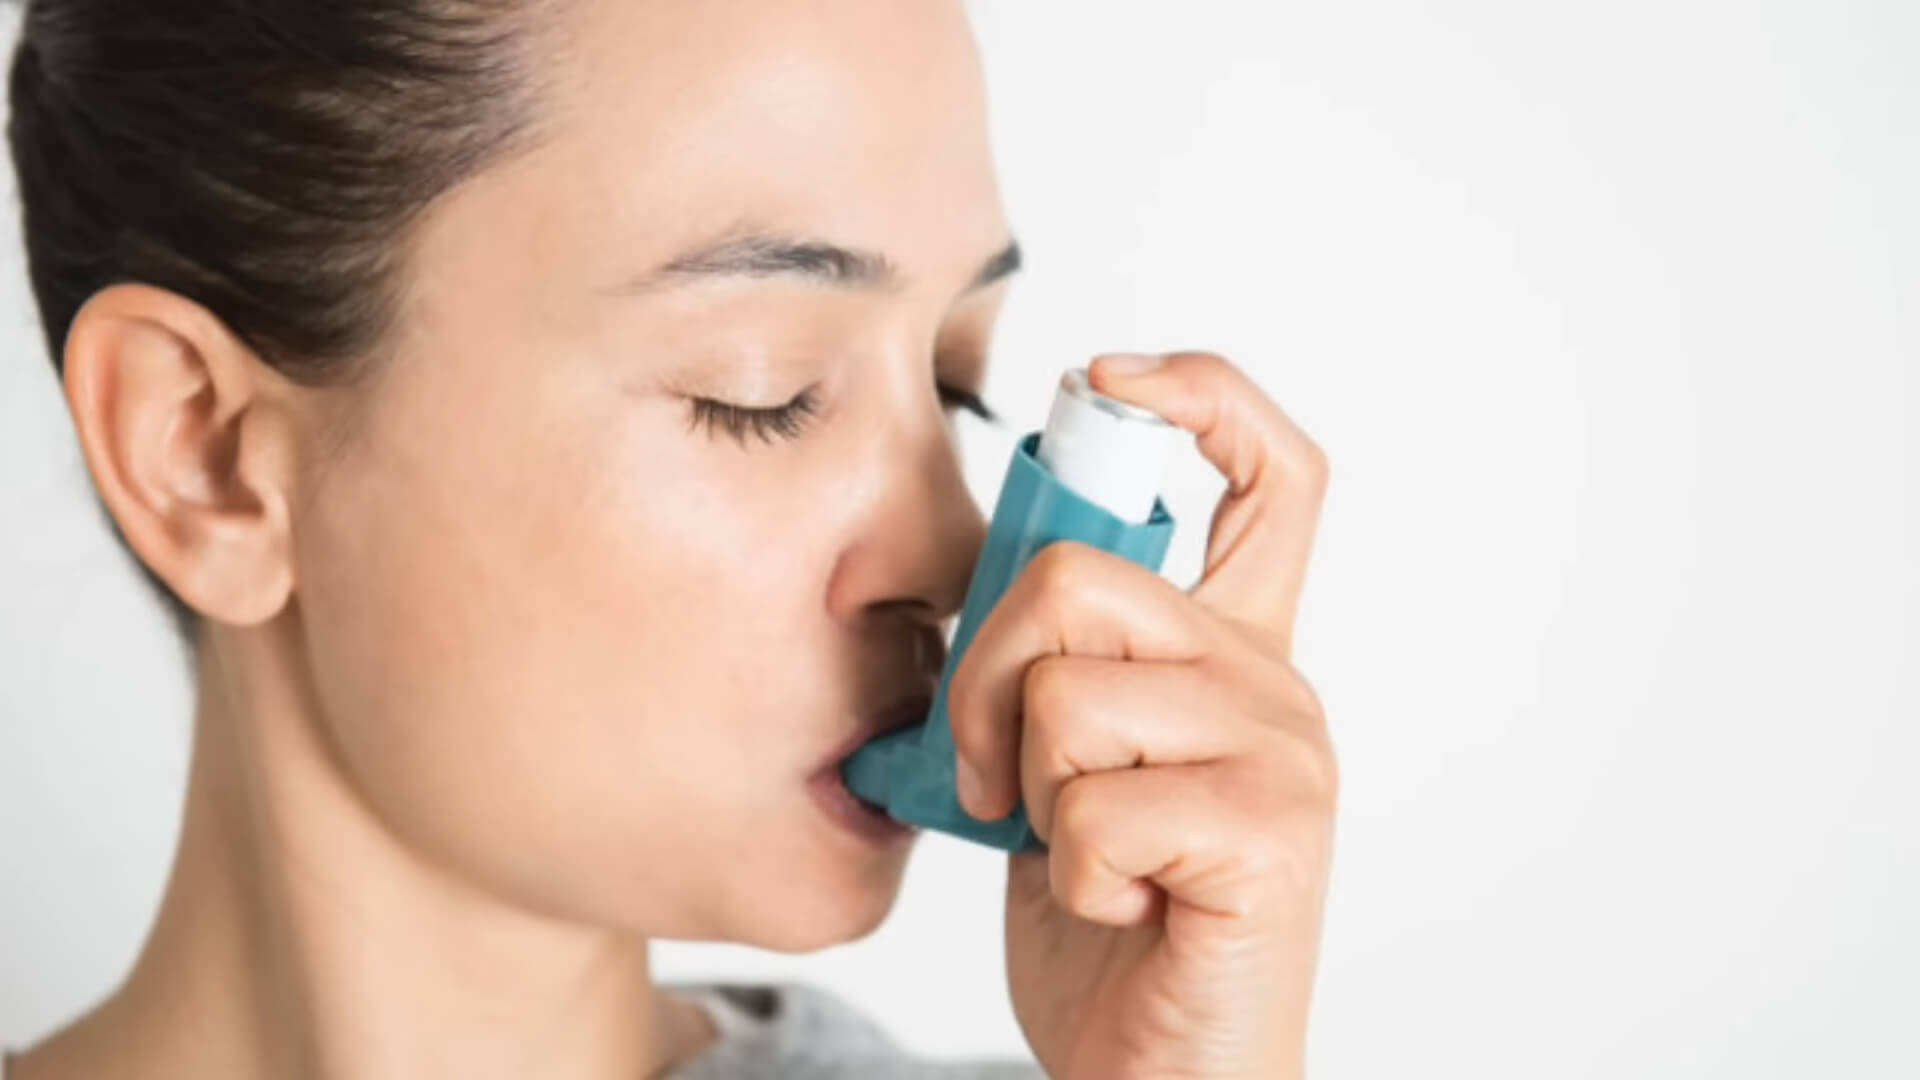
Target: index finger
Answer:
[[1261, 537]]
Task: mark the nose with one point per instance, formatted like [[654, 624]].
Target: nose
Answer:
[[914, 554]]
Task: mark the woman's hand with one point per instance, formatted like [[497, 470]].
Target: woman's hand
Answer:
[[1174, 761]]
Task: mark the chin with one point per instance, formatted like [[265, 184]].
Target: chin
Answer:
[[792, 920]]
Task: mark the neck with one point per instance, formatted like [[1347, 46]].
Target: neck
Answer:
[[300, 937]]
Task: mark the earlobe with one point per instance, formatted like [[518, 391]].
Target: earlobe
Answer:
[[189, 447]]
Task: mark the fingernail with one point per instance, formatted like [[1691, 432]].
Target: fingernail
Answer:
[[968, 783], [1129, 363]]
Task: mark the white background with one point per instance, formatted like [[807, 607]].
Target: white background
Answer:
[[1609, 316]]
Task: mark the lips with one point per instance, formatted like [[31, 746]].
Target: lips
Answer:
[[830, 789]]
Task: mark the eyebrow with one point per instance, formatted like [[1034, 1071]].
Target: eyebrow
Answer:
[[766, 255]]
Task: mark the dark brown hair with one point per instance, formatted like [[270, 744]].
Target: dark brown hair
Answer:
[[263, 158]]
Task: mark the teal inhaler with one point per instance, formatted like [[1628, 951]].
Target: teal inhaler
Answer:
[[1090, 476]]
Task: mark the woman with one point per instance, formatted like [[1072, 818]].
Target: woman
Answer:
[[534, 413]]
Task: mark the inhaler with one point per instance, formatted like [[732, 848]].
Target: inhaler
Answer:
[[1093, 476]]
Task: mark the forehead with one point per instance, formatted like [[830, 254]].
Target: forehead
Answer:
[[861, 119]]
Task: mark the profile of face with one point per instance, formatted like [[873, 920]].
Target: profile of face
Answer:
[[578, 633]]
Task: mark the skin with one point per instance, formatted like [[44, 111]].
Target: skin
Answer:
[[507, 668]]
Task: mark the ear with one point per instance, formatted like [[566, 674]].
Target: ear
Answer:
[[188, 439]]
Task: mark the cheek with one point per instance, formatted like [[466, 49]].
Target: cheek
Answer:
[[553, 642]]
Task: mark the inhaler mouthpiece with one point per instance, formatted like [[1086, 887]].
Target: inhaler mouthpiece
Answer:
[[1107, 451]]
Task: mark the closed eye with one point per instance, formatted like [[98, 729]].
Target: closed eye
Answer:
[[739, 421], [789, 421]]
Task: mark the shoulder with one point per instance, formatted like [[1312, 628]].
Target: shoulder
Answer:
[[799, 1032]]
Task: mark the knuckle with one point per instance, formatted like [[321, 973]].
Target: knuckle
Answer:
[[1047, 690], [1314, 770], [1205, 360], [1301, 700], [1323, 771], [1285, 698], [1073, 872], [1067, 879], [1076, 815], [1058, 570], [1295, 770], [1317, 465], [1297, 867], [1288, 848], [1205, 368]]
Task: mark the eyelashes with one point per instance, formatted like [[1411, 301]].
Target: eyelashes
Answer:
[[789, 421], [954, 397], [739, 421]]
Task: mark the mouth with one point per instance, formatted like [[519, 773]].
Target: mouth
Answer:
[[858, 816], [830, 791]]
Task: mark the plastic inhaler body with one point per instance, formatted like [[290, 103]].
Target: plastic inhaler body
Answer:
[[1089, 477]]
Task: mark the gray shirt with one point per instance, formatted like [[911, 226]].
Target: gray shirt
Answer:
[[796, 1032]]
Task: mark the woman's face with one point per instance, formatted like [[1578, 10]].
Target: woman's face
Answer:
[[568, 641]]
